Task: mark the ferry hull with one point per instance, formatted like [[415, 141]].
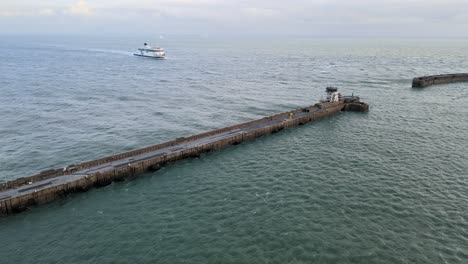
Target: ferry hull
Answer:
[[147, 56]]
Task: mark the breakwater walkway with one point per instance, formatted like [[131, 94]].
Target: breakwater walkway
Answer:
[[425, 81], [20, 194]]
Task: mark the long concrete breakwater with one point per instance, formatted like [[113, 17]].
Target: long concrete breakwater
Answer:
[[425, 81], [20, 194]]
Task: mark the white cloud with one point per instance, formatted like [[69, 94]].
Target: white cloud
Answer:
[[6, 13], [47, 12], [305, 17], [260, 12], [27, 13], [80, 8]]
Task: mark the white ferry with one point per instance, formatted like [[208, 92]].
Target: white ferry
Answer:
[[147, 51]]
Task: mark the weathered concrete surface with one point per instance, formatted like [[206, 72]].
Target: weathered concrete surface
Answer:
[[18, 195], [425, 81]]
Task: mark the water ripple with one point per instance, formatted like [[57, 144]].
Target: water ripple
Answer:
[[389, 186]]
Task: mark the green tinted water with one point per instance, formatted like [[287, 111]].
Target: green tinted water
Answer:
[[389, 186]]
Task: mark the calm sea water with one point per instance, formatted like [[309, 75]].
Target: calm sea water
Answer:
[[389, 186]]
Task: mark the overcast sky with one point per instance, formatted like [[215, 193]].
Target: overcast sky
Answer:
[[315, 18]]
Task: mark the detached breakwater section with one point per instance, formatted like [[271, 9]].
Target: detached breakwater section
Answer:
[[425, 81], [20, 194]]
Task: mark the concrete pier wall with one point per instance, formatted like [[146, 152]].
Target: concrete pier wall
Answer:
[[425, 81], [37, 195]]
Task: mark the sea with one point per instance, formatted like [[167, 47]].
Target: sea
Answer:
[[387, 186]]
